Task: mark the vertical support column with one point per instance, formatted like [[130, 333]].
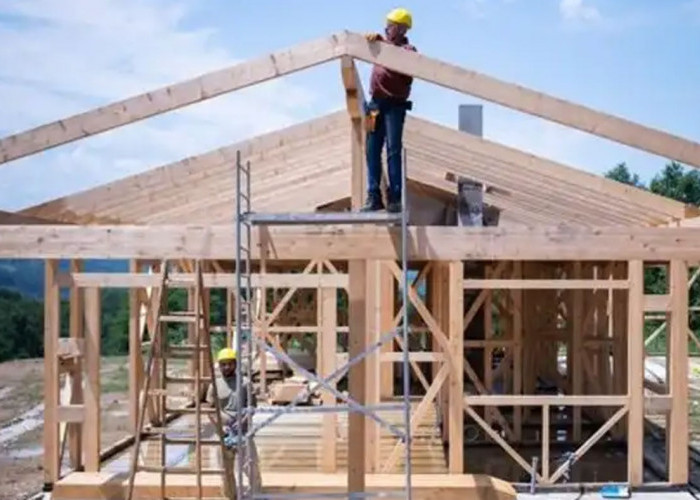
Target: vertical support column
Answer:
[[135, 358], [357, 374], [386, 320], [678, 374], [91, 426], [635, 374], [577, 350], [456, 380], [76, 379], [373, 333], [326, 352], [517, 350], [52, 329]]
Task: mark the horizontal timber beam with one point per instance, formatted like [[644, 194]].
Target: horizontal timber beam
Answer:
[[350, 242], [211, 280], [653, 403], [544, 284]]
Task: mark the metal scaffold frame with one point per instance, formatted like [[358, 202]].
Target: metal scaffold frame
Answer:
[[246, 341]]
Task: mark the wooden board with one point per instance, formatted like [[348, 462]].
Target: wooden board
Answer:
[[111, 486], [342, 243]]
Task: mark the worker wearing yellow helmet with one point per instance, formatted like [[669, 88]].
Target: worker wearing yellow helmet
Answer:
[[385, 115], [227, 393]]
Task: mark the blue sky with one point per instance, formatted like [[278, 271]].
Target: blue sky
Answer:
[[633, 58]]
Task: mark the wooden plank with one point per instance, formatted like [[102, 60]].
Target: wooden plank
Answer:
[[539, 400], [635, 373], [656, 302], [77, 334], [526, 100], [71, 413], [91, 425], [387, 298], [456, 375], [678, 432], [211, 280], [172, 97], [419, 357], [544, 284], [52, 328], [79, 485], [357, 270], [135, 356], [295, 243], [327, 344]]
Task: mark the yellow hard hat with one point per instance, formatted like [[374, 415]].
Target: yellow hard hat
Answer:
[[226, 354], [400, 16]]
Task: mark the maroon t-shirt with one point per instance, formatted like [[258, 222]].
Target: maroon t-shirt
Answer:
[[387, 83]]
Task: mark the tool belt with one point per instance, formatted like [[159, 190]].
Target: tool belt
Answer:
[[373, 109]]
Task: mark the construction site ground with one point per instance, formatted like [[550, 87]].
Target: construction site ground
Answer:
[[21, 420]]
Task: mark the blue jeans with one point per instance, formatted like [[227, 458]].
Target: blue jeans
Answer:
[[389, 128]]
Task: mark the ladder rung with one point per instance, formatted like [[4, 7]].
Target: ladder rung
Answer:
[[178, 470]]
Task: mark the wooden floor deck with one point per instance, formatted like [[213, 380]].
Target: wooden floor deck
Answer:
[[294, 443]]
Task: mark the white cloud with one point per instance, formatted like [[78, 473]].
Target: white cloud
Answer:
[[578, 10], [57, 61]]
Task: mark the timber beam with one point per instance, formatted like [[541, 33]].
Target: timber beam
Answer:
[[347, 243]]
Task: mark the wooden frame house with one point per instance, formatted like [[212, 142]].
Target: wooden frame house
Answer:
[[554, 291]]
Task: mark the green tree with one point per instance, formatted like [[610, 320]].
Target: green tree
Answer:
[[674, 182], [621, 173]]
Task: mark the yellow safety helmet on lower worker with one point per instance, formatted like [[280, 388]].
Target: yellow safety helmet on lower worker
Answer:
[[226, 354], [400, 16]]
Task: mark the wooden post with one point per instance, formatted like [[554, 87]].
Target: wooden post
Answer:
[[52, 329], [91, 426], [357, 376], [326, 352], [678, 374], [135, 358], [577, 358], [373, 333], [517, 350], [357, 314], [456, 380], [635, 374], [386, 319], [76, 380]]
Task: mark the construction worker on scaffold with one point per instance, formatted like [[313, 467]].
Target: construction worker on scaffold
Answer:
[[385, 114]]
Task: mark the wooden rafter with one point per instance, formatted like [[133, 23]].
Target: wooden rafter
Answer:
[[526, 100], [172, 97]]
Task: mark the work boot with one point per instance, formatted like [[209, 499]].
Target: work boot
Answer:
[[373, 204], [394, 207]]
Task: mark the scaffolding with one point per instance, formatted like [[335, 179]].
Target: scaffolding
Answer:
[[246, 341]]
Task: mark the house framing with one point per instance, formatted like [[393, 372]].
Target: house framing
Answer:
[[563, 272]]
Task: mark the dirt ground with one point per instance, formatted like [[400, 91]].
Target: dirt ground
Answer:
[[21, 421]]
